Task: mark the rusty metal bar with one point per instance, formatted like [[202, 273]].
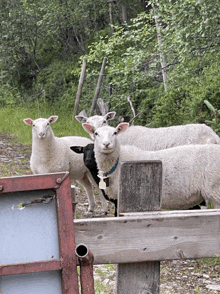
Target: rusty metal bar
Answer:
[[86, 260], [30, 183], [29, 267], [67, 238]]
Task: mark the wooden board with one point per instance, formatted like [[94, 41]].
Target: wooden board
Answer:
[[140, 186], [139, 190], [151, 236]]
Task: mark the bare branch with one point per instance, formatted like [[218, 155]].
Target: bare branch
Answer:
[[132, 108]]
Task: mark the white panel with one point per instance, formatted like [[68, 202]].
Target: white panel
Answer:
[[32, 283], [30, 234]]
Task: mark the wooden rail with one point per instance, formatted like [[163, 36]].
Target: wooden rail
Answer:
[[151, 236]]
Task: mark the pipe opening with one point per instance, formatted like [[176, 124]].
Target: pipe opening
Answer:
[[81, 250]]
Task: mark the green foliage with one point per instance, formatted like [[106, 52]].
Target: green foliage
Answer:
[[184, 100], [42, 45], [36, 33], [8, 95], [133, 66], [129, 57], [56, 83]]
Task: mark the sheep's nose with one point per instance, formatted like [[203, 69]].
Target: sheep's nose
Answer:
[[106, 145], [41, 135]]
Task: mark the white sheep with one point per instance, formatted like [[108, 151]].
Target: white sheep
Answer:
[[191, 173], [157, 138], [96, 120], [51, 154], [153, 139]]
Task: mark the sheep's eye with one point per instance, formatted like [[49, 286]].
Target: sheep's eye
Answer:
[[96, 134], [47, 124], [33, 125], [104, 122], [115, 133]]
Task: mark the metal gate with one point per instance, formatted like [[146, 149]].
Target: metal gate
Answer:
[[37, 238]]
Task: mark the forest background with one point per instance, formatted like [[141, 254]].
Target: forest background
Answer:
[[164, 55]]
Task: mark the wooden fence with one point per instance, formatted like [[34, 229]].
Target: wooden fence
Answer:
[[139, 239]]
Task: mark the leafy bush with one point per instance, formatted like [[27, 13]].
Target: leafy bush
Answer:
[[56, 83], [9, 95]]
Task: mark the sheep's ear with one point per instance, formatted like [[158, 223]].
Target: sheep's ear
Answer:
[[110, 115], [81, 116], [77, 149], [52, 119], [28, 121], [122, 127], [88, 128]]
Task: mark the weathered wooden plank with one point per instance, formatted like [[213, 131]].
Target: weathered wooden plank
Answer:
[[145, 277], [165, 235], [139, 190], [171, 213], [140, 186]]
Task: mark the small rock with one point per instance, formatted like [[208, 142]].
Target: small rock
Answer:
[[197, 274], [106, 281], [96, 278], [213, 287]]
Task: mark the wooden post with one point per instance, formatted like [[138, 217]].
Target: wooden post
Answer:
[[139, 190], [79, 91], [124, 13], [111, 16], [98, 86], [162, 62]]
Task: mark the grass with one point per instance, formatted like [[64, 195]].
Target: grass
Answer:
[[11, 121]]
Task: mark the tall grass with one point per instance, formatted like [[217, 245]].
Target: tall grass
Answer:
[[11, 121]]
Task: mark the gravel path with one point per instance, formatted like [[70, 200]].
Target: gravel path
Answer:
[[177, 277]]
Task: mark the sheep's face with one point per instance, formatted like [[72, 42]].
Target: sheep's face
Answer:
[[105, 137], [41, 126], [88, 154], [97, 121]]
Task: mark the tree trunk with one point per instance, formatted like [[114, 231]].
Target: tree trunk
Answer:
[[163, 62], [124, 13]]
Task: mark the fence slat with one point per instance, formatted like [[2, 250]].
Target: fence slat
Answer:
[[162, 235], [140, 190]]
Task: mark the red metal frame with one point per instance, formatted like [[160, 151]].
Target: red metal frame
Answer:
[[67, 262]]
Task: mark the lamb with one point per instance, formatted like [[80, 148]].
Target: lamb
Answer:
[[90, 163], [191, 173], [52, 154]]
